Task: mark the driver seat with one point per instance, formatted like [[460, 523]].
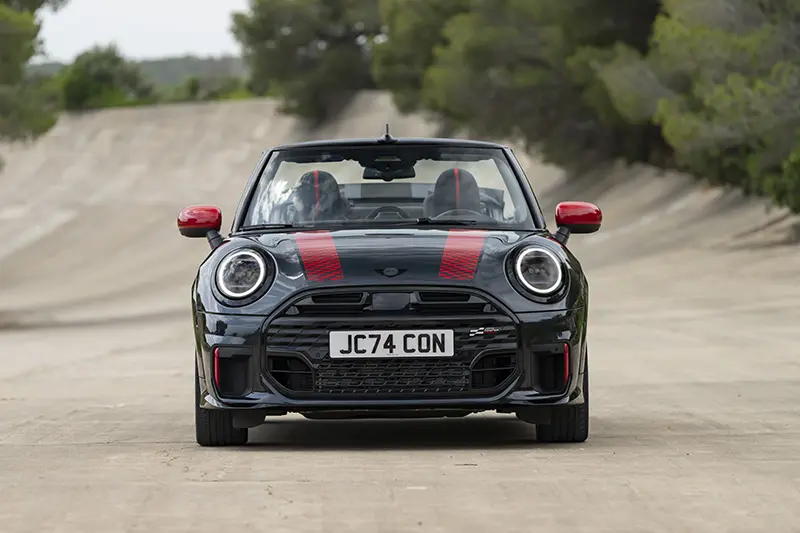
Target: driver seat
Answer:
[[455, 188], [318, 197]]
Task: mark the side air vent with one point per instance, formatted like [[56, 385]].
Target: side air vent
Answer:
[[447, 302], [443, 297], [332, 304], [342, 298]]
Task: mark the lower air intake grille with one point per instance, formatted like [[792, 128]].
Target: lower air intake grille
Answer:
[[416, 377]]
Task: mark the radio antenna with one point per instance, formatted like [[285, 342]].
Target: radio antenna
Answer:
[[387, 138]]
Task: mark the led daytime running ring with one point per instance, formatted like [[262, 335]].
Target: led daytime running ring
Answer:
[[518, 271], [261, 276]]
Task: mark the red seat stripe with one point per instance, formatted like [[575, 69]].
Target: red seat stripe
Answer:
[[316, 186], [458, 189]]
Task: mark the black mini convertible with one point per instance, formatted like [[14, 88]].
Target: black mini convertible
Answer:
[[387, 277]]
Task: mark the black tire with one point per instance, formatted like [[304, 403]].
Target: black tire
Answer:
[[571, 423], [214, 428]]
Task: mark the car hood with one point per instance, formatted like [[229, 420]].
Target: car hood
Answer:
[[397, 257], [393, 255]]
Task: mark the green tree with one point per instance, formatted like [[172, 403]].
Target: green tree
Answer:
[[413, 29], [311, 54], [18, 34], [731, 104], [26, 102], [209, 88], [32, 6], [531, 68], [28, 109], [101, 77]]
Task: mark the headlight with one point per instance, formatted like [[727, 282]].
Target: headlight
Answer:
[[539, 270], [241, 274]]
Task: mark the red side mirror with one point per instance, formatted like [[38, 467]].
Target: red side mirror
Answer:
[[579, 217], [198, 220]]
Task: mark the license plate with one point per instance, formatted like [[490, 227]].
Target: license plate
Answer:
[[394, 343]]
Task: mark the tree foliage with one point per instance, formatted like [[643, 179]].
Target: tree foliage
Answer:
[[101, 77], [731, 76], [529, 68], [168, 71], [312, 54], [208, 88], [32, 6], [18, 33], [402, 55], [27, 102]]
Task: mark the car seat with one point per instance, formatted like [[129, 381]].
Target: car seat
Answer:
[[318, 197], [455, 188]]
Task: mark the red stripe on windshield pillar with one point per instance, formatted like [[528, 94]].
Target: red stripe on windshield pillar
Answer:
[[319, 256], [462, 251]]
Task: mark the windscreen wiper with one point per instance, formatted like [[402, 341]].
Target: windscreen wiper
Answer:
[[258, 227], [424, 221]]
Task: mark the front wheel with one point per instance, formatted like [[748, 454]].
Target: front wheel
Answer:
[[570, 423], [212, 427]]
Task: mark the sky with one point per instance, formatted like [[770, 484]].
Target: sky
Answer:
[[141, 28]]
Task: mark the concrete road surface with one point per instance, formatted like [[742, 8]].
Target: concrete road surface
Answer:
[[694, 339]]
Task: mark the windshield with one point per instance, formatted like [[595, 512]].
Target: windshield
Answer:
[[389, 185]]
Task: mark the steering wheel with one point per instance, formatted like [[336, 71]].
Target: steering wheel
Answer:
[[387, 208], [456, 212]]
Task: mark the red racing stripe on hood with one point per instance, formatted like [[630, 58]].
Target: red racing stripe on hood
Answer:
[[319, 256], [462, 250]]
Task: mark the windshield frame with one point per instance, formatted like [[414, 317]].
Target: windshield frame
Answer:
[[531, 203]]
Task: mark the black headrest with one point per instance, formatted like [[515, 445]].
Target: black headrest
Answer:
[[456, 189], [317, 196]]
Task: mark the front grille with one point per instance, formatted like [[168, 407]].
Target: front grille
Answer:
[[296, 355], [390, 302]]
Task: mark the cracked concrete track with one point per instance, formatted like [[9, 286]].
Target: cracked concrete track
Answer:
[[695, 350]]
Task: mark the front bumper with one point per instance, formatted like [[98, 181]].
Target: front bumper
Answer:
[[281, 362]]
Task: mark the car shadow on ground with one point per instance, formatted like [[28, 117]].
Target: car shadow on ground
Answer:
[[472, 432]]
